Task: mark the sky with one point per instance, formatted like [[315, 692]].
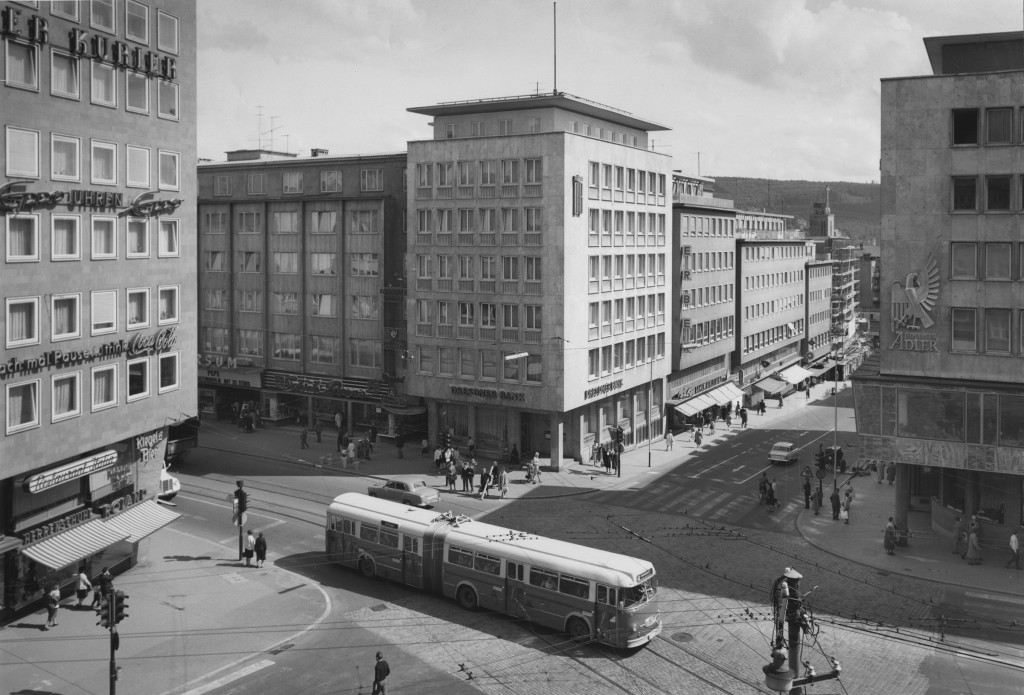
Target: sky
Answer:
[[780, 89]]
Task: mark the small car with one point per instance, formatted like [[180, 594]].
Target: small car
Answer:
[[782, 452], [406, 489]]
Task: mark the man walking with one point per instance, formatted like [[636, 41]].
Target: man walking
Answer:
[[52, 606], [807, 493], [381, 671], [669, 441], [1014, 551], [958, 537], [261, 549], [318, 428], [834, 499], [250, 548]]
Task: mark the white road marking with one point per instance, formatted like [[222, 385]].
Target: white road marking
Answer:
[[224, 680], [995, 597]]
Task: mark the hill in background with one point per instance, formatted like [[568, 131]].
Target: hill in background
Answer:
[[856, 206]]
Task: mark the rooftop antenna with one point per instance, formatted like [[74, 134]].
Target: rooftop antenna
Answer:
[[554, 11], [259, 126], [698, 164], [271, 131]]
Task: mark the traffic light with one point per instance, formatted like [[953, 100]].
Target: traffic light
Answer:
[[620, 437], [104, 612], [241, 499], [447, 439], [119, 606]]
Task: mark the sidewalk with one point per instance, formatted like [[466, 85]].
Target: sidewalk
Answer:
[[193, 610]]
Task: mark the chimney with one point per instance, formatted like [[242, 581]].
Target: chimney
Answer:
[[318, 152]]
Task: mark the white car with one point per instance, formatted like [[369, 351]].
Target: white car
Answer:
[[782, 452], [406, 489]]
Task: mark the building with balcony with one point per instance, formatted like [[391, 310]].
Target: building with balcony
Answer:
[[945, 399], [818, 314], [869, 283], [845, 257], [302, 289], [539, 248], [98, 353]]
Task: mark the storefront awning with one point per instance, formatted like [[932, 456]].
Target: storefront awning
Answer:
[[70, 546], [820, 369], [408, 410], [770, 385], [726, 393], [141, 520], [795, 374]]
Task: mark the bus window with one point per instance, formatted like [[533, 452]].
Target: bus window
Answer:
[[411, 545], [389, 538], [487, 563], [574, 586], [605, 594], [641, 593], [514, 571], [460, 557], [368, 533], [544, 579]]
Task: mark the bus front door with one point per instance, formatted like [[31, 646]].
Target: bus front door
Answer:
[[606, 625]]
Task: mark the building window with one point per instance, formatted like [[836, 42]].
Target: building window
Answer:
[[997, 193], [965, 330], [510, 171], [467, 363], [65, 156], [998, 126], [167, 100], [136, 21], [286, 303], [103, 312], [65, 396], [256, 184], [249, 262], [138, 166], [22, 321], [250, 343], [965, 126], [488, 172], [250, 301], [365, 307], [286, 263], [168, 372], [64, 238], [998, 261], [323, 349], [103, 90], [169, 162], [330, 182], [533, 317], [250, 223], [104, 162], [64, 76], [168, 238], [22, 406], [371, 179], [997, 331], [215, 261], [965, 193], [65, 314], [102, 15], [324, 305], [287, 346], [365, 264], [166, 32], [138, 308], [963, 260], [64, 8], [364, 353], [22, 153], [363, 221], [504, 127], [136, 91], [168, 301], [292, 182], [138, 379], [137, 237], [22, 65], [323, 264], [216, 340], [104, 387], [449, 131]]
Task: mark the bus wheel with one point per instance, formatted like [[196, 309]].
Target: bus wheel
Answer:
[[577, 629], [466, 597], [366, 568]]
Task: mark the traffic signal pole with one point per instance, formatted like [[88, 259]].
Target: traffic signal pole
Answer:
[[113, 646]]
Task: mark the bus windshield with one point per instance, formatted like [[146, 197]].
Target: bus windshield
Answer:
[[641, 593]]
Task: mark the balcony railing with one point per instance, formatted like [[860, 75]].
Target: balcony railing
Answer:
[[445, 331]]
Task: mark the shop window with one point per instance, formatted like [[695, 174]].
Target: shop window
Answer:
[[928, 414]]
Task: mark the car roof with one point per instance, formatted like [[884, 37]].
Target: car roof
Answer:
[[778, 444], [415, 480]]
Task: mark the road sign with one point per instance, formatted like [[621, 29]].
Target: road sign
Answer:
[[806, 472], [820, 474], [240, 521]]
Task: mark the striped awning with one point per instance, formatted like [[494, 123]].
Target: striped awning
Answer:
[[726, 393], [70, 546], [770, 385], [141, 520], [795, 374]]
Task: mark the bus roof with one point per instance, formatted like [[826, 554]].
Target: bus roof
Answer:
[[571, 558]]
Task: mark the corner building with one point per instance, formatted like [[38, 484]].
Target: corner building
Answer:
[[98, 260], [945, 400], [538, 238]]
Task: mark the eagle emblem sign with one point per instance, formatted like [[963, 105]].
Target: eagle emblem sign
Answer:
[[914, 301]]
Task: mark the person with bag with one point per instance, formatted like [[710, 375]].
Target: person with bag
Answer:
[[250, 548], [52, 606], [83, 587], [450, 476], [889, 539], [485, 479], [503, 482]]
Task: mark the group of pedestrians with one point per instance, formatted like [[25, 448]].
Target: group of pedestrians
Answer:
[[246, 416], [255, 546]]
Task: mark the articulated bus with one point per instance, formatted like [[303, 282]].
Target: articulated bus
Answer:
[[587, 593]]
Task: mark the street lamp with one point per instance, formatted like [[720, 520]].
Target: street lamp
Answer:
[[835, 426]]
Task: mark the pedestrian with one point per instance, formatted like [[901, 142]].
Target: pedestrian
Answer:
[[471, 447], [762, 489], [595, 453], [52, 605], [438, 457], [807, 392], [743, 417], [535, 463], [450, 476], [424, 447], [470, 473], [338, 420], [834, 499], [889, 539], [373, 438], [606, 459], [773, 489], [697, 438], [304, 438], [711, 427], [728, 420], [350, 451], [973, 549], [260, 547], [83, 587], [780, 400], [818, 494], [485, 480], [881, 471], [235, 409], [503, 482], [1014, 551], [958, 537], [250, 548], [669, 441], [807, 493], [513, 457], [890, 472], [399, 443], [844, 511], [254, 413], [381, 671], [104, 585], [368, 445]]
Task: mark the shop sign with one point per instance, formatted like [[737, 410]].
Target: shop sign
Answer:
[[57, 526], [493, 394], [915, 342], [348, 389], [70, 471], [217, 361], [139, 344], [14, 198], [148, 446], [120, 504], [603, 389]]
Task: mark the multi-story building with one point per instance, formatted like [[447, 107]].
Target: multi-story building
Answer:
[[818, 314], [845, 257], [538, 237], [945, 400], [704, 305], [302, 289], [97, 200], [869, 302]]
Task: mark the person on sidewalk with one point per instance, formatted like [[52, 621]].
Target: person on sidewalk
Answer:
[[834, 499], [373, 438], [250, 548], [890, 472], [381, 671], [669, 441], [450, 475], [743, 418], [304, 438], [818, 494], [773, 490], [881, 472], [485, 480], [424, 447], [470, 473], [1014, 550], [973, 555], [697, 439], [535, 465], [261, 549], [471, 446], [503, 482], [847, 503], [780, 400], [399, 443], [52, 606], [104, 585], [958, 537], [83, 587], [338, 420], [889, 538], [319, 429], [807, 493]]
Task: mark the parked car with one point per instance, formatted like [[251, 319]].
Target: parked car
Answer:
[[406, 489], [782, 452]]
